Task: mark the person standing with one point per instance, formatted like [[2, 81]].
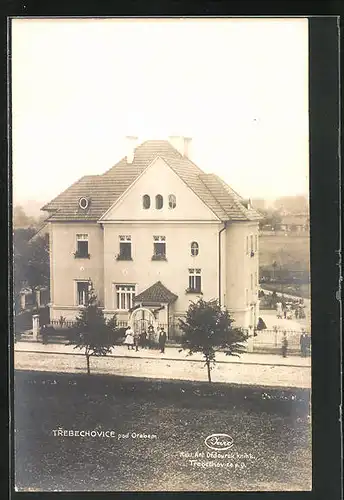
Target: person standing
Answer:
[[136, 340], [143, 339], [308, 344], [284, 345], [303, 346], [151, 336], [129, 338], [162, 340]]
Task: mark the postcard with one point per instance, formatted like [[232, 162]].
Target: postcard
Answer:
[[161, 239]]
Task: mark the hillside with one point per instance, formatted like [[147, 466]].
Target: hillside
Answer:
[[291, 251]]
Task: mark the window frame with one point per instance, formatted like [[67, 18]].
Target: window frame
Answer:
[[251, 244], [82, 238], [172, 201], [195, 273], [159, 240], [146, 198], [81, 205], [125, 239], [123, 297], [77, 296], [159, 198], [194, 246]]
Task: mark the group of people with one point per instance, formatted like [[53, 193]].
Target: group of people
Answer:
[[134, 339], [286, 310]]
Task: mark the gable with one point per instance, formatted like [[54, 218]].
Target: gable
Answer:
[[159, 179]]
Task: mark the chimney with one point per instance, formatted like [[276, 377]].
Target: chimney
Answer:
[[181, 144], [131, 141]]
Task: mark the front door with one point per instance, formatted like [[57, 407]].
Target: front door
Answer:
[[141, 319]]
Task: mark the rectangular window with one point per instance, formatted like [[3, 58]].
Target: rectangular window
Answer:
[[82, 292], [246, 245], [124, 248], [82, 246], [159, 248], [251, 282], [124, 296], [195, 280], [246, 296], [256, 243], [251, 238]]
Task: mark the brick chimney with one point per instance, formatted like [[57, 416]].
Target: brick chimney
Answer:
[[131, 144], [182, 144]]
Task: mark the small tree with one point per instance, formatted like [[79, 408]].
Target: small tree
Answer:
[[92, 332], [208, 328]]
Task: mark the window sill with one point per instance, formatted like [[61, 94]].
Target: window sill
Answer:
[[82, 256], [159, 257], [121, 257], [190, 290]]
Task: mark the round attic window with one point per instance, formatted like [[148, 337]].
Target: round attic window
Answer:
[[83, 203]]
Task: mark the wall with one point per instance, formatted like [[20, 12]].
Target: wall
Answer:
[[66, 269], [239, 266], [159, 178], [173, 273]]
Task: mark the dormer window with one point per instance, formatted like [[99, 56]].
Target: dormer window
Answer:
[[172, 202], [159, 202], [83, 203], [146, 201]]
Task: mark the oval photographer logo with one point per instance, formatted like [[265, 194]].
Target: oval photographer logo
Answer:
[[219, 442]]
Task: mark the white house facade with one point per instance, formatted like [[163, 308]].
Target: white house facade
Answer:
[[153, 233]]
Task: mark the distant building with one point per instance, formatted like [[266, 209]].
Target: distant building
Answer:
[[153, 233], [292, 204], [298, 223]]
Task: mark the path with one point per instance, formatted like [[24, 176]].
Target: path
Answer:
[[171, 353], [162, 367]]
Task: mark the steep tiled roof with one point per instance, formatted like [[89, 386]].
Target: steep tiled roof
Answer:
[[156, 293], [230, 201], [103, 190]]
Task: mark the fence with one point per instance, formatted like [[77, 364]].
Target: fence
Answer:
[[266, 340], [172, 329], [271, 340]]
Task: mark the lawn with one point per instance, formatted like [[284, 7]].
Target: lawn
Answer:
[[292, 251], [270, 431]]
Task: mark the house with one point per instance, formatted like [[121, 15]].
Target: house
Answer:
[[153, 233], [297, 223]]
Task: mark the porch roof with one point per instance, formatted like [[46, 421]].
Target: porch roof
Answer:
[[156, 294]]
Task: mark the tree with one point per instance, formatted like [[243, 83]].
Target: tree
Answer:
[[31, 260], [271, 218], [92, 332], [37, 265], [208, 328], [20, 219]]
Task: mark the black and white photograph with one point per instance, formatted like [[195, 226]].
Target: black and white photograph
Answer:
[[161, 254]]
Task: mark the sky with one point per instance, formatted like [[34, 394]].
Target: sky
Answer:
[[238, 87]]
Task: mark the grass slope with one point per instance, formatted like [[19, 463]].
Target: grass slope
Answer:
[[290, 251], [271, 425]]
